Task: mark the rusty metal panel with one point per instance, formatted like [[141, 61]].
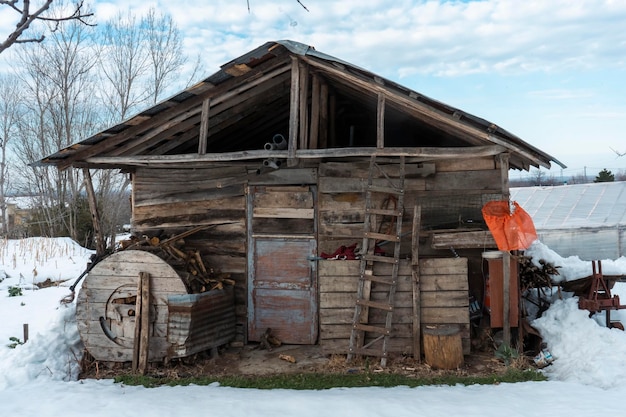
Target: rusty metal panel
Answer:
[[284, 290], [198, 322]]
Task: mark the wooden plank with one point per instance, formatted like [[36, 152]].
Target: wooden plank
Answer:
[[204, 127], [315, 112], [144, 344], [294, 111], [463, 240], [417, 307], [138, 323], [426, 153], [380, 121], [324, 118], [303, 102], [283, 213]]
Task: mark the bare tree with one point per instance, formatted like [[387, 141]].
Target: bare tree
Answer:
[[28, 15], [124, 62], [9, 116], [58, 89], [165, 51]]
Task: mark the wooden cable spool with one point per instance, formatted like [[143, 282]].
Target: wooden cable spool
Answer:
[[105, 306]]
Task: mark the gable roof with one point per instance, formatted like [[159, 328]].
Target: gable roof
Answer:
[[251, 99]]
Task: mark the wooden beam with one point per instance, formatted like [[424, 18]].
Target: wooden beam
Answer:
[[144, 344], [95, 215], [294, 112], [137, 334], [424, 154], [380, 121], [323, 122], [415, 281], [315, 113], [506, 301], [204, 127], [303, 103]]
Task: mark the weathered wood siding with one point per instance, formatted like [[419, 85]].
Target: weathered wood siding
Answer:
[[169, 201], [451, 194], [444, 300]]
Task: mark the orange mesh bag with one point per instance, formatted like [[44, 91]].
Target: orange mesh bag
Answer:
[[511, 230]]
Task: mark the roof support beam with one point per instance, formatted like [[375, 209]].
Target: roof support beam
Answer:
[[423, 154], [204, 126], [380, 121], [294, 112]]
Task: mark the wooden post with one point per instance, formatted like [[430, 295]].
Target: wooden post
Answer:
[[415, 274], [380, 122], [137, 338], [294, 112], [25, 328], [144, 344], [204, 127], [303, 104], [95, 216], [141, 343], [315, 113], [506, 301]]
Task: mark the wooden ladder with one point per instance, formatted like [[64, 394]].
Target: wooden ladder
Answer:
[[370, 262]]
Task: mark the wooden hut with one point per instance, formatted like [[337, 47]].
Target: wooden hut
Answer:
[[345, 207]]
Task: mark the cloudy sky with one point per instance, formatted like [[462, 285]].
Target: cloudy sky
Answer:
[[551, 72]]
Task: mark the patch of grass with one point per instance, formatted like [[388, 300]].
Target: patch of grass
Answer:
[[318, 381], [14, 291]]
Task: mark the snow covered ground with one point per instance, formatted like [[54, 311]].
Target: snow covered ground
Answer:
[[39, 378]]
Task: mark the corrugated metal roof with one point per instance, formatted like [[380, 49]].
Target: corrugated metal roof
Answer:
[[574, 206]]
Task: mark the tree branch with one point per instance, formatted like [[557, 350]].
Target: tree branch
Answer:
[[27, 18]]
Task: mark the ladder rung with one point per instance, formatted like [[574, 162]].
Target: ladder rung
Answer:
[[371, 329], [382, 236], [384, 212], [386, 190], [380, 258], [387, 279], [369, 352], [375, 304]]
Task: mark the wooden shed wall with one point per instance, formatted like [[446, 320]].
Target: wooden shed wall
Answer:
[[444, 300], [170, 201]]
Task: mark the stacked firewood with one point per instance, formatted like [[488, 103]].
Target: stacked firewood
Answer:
[[188, 263], [533, 276]]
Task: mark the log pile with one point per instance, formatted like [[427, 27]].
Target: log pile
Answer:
[[188, 262], [533, 276]]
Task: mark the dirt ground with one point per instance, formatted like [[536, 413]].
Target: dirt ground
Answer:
[[286, 359]]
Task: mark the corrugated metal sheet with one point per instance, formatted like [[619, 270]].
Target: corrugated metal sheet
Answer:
[[198, 322]]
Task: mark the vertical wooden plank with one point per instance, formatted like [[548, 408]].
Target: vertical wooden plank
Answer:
[[417, 319], [323, 121], [506, 257], [95, 216], [506, 302], [204, 127], [315, 113], [332, 121], [294, 112], [144, 344], [380, 122], [303, 102], [137, 338]]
